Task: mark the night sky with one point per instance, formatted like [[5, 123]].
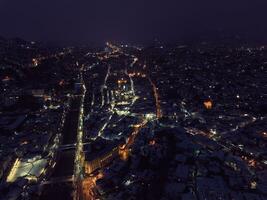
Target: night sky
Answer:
[[97, 21]]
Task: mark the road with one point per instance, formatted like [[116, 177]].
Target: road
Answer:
[[78, 170], [156, 96], [87, 185]]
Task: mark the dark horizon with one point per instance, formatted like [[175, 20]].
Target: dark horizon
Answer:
[[95, 22]]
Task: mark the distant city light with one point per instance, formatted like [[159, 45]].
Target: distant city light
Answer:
[[35, 62], [152, 142], [208, 104], [253, 185]]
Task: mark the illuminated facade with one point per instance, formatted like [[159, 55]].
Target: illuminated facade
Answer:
[[101, 159]]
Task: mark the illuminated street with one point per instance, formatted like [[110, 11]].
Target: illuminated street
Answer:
[[136, 122], [133, 100]]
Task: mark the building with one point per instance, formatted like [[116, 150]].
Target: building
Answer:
[[102, 158]]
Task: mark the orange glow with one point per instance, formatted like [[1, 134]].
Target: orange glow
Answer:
[[88, 186], [123, 146], [130, 140], [100, 175], [122, 81], [208, 104], [124, 154], [97, 177], [137, 125]]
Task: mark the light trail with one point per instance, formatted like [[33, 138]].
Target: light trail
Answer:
[[104, 86], [88, 185], [156, 96], [79, 148]]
